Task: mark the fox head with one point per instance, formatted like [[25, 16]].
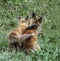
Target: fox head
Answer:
[[32, 27], [36, 19], [24, 21]]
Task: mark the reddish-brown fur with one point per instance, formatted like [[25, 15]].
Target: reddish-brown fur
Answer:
[[23, 24], [31, 43]]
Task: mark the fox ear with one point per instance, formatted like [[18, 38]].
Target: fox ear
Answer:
[[27, 17], [19, 18], [40, 19], [33, 15]]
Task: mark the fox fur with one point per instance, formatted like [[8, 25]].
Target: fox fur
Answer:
[[23, 24], [31, 43], [28, 30]]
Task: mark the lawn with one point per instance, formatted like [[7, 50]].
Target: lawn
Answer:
[[48, 37]]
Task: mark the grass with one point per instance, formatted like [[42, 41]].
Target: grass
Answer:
[[48, 38]]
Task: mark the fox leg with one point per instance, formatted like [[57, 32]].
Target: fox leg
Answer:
[[37, 47], [13, 46]]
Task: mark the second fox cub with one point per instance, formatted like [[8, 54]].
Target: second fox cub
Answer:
[[23, 24], [31, 43]]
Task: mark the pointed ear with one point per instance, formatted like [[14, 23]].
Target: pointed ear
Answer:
[[27, 17], [40, 19], [19, 18], [33, 15]]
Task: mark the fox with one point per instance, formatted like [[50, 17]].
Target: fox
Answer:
[[26, 33], [22, 25], [30, 43]]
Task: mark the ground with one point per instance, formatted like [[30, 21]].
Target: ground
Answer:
[[48, 37]]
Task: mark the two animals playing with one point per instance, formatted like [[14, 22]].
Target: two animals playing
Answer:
[[25, 36]]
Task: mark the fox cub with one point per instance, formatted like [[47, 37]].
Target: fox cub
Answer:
[[23, 24], [30, 43]]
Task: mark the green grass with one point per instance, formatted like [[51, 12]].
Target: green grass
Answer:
[[48, 38]]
